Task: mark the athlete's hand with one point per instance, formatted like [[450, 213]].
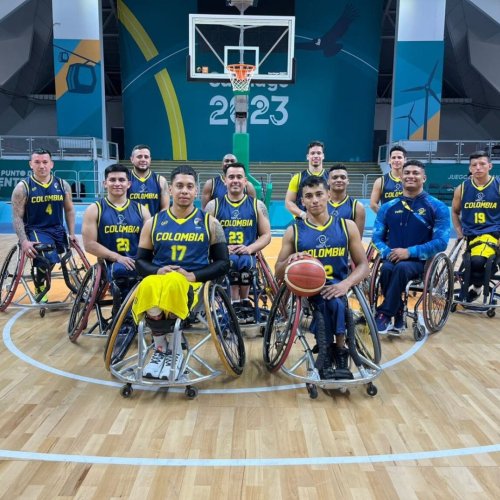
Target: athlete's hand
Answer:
[[29, 248], [336, 290], [128, 262], [399, 254]]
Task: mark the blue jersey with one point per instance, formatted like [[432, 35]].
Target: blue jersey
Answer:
[[45, 204], [238, 219], [146, 191], [118, 228], [328, 244], [391, 188], [182, 242], [304, 175], [480, 207], [219, 188], [420, 224], [345, 209]]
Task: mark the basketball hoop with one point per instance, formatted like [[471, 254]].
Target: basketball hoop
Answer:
[[240, 76]]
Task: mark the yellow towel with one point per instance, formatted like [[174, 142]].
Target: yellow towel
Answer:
[[483, 245], [169, 292]]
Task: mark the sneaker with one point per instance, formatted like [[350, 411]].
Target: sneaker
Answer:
[[342, 370], [473, 294], [165, 371], [41, 299], [155, 365], [383, 323], [399, 321]]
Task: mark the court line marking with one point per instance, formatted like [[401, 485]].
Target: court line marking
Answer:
[[7, 339], [249, 462], [246, 462]]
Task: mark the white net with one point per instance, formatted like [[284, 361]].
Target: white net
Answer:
[[240, 76]]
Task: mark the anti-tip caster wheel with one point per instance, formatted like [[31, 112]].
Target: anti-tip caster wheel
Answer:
[[312, 390], [490, 313], [418, 332], [126, 391], [371, 390], [42, 312], [191, 392]]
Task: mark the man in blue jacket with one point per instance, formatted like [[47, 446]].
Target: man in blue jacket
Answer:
[[408, 230]]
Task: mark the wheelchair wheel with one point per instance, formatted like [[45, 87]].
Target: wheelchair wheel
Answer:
[[281, 328], [224, 328], [88, 294], [375, 292], [267, 278], [366, 337], [11, 275], [74, 266], [121, 332], [438, 292]]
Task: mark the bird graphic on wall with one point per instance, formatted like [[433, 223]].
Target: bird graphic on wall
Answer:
[[329, 42]]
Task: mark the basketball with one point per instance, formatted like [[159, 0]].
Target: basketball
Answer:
[[305, 277]]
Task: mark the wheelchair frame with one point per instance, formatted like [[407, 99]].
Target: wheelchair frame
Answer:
[[263, 289], [491, 300], [435, 287], [288, 323], [218, 322], [14, 274]]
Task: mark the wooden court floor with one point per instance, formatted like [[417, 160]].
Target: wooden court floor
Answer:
[[431, 432]]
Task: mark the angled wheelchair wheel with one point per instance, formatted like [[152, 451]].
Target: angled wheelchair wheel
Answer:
[[74, 265], [438, 292], [122, 331], [366, 337], [281, 328], [88, 294], [224, 328], [11, 275]]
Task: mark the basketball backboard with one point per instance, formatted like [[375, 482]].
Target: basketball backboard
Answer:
[[267, 42]]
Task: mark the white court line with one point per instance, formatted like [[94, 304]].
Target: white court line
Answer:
[[7, 339], [245, 462]]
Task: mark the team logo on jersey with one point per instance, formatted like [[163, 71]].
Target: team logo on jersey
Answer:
[[143, 188], [235, 214], [321, 241], [197, 222], [421, 211], [480, 196], [398, 186], [56, 186], [121, 219], [164, 222]]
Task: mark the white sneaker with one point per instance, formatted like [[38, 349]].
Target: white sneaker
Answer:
[[155, 365], [165, 372]]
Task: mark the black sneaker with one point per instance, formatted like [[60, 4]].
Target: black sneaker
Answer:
[[342, 370]]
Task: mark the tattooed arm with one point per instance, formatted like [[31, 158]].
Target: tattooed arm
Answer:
[[19, 200]]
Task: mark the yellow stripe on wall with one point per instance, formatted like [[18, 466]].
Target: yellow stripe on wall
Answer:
[[163, 80]]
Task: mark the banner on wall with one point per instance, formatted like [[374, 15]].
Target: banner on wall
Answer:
[[332, 98], [418, 71], [78, 69]]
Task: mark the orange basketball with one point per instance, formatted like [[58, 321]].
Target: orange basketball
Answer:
[[305, 277]]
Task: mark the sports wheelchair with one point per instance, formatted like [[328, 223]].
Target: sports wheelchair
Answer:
[[97, 300], [263, 289], [216, 320], [18, 269], [460, 256], [289, 321], [435, 290]]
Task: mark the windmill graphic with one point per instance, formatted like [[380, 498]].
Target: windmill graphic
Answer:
[[426, 87], [410, 119]]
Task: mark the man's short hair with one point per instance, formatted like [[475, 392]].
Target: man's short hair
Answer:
[[140, 146], [229, 158], [313, 144], [116, 167], [313, 181], [337, 166], [397, 147], [183, 170], [233, 165], [479, 154], [41, 151], [414, 163]]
